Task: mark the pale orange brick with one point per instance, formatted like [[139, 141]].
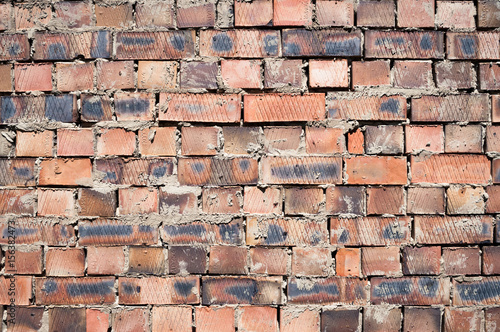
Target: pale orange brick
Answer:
[[105, 260], [34, 144], [292, 12], [65, 262], [311, 261], [425, 200], [269, 260], [6, 75], [243, 74], [459, 138], [97, 320], [282, 138], [74, 76], [371, 73], [131, 320], [214, 319], [385, 200], [115, 141], [356, 142], [157, 141], [262, 201], [456, 14], [348, 262], [376, 170], [380, 261], [300, 200], [65, 172], [115, 75], [74, 14], [199, 141], [416, 13], [56, 203], [138, 200], [465, 200], [253, 318], [157, 75], [6, 16], [222, 200], [119, 16], [328, 73], [428, 138], [155, 14], [335, 13], [413, 74], [255, 13], [33, 77], [75, 142], [172, 319], [304, 321]]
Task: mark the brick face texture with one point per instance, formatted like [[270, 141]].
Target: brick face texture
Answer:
[[266, 165]]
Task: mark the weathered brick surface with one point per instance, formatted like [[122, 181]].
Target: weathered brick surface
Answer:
[[266, 165]]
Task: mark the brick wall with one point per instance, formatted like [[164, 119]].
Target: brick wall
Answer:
[[262, 165]]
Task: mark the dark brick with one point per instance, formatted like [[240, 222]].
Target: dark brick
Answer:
[[115, 232], [157, 45], [132, 171], [422, 319], [410, 291], [301, 42], [182, 259], [198, 75], [67, 319], [241, 290], [404, 44], [204, 233], [14, 47], [68, 46], [159, 290], [332, 290], [75, 290], [340, 320]]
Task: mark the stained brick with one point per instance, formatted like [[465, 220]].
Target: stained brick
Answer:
[[381, 319], [487, 13], [157, 74], [484, 291], [410, 291], [241, 290], [488, 74], [272, 261], [197, 14], [303, 200], [68, 291], [311, 261], [198, 75], [157, 45], [491, 260], [460, 261], [466, 139], [134, 106], [370, 231], [305, 170], [71, 45], [74, 14], [222, 200], [413, 74], [307, 320], [240, 140], [71, 142], [360, 107], [133, 171], [376, 13], [380, 261], [178, 202], [421, 260], [495, 170], [146, 260], [473, 45], [450, 108], [27, 318], [341, 320], [279, 73], [196, 171], [455, 75], [65, 172], [115, 75], [34, 16], [465, 200], [301, 42], [14, 47], [345, 199], [462, 319], [186, 259], [158, 290], [63, 319], [204, 233], [17, 172], [418, 319], [240, 43], [115, 232], [227, 260], [155, 14], [95, 108], [41, 108], [404, 44], [5, 16], [38, 231], [384, 139], [324, 291]]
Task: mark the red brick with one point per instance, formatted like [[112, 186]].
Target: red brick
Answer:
[[154, 14], [404, 44], [473, 45], [204, 233], [67, 319], [56, 203], [66, 73], [65, 172], [305, 170], [327, 73], [424, 138], [157, 74], [465, 200], [18, 42], [34, 144], [376, 170], [286, 232], [462, 319], [26, 260], [178, 202], [493, 139], [35, 16], [133, 171], [380, 261], [65, 262], [115, 232], [158, 290], [413, 74], [275, 107], [105, 260], [370, 231], [220, 172], [69, 291], [453, 230], [341, 320], [200, 141], [197, 14], [456, 15], [134, 106], [252, 318], [292, 12], [370, 73], [321, 43], [39, 231], [115, 141], [241, 140], [157, 141], [271, 261], [356, 142], [356, 107], [325, 291], [491, 260], [460, 261], [253, 290], [425, 200], [483, 291], [279, 73], [255, 13], [198, 75], [493, 202], [410, 291], [345, 199], [200, 107], [240, 43], [306, 321], [385, 200], [6, 74], [381, 319], [5, 16], [222, 200], [147, 260], [282, 138], [450, 168], [185, 259], [138, 201], [33, 77], [75, 142], [23, 290], [227, 260], [384, 139], [324, 140], [95, 108], [488, 74], [416, 13], [214, 319], [495, 169], [71, 45], [463, 138], [488, 11], [421, 319], [311, 261], [303, 200], [262, 201], [130, 320], [74, 14], [376, 13], [119, 16], [172, 319], [455, 75], [421, 260], [348, 262], [97, 202], [115, 75], [237, 74]]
